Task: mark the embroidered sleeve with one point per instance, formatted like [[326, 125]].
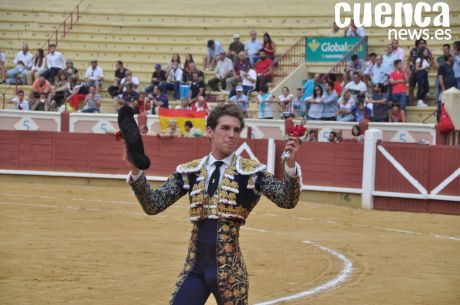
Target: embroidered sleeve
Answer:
[[284, 194], [156, 201]]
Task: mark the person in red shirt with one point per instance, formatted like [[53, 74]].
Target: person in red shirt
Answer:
[[263, 69], [337, 86], [398, 80], [200, 105], [40, 86], [269, 46]]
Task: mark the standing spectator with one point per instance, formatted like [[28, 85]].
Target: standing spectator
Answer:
[[129, 97], [188, 60], [39, 66], [379, 72], [252, 47], [439, 62], [265, 100], [197, 88], [379, 103], [71, 72], [158, 100], [120, 73], [345, 105], [249, 79], [315, 109], [214, 49], [20, 102], [361, 113], [413, 56], [224, 70], [200, 105], [329, 101], [337, 85], [3, 66], [422, 67], [23, 62], [355, 65], [269, 46], [241, 100], [92, 101], [55, 61], [396, 50], [357, 87], [397, 115], [40, 85], [456, 66], [389, 58], [369, 65], [285, 101], [298, 104], [236, 78], [334, 31], [309, 86], [446, 77], [158, 78], [235, 47], [354, 31], [60, 92], [42, 103], [398, 80], [94, 75], [129, 79], [263, 69]]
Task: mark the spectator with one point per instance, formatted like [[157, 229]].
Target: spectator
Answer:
[[361, 112], [332, 138], [413, 56], [197, 88], [379, 103], [337, 85], [128, 97], [175, 60], [20, 102], [456, 66], [214, 49], [329, 101], [172, 130], [221, 100], [379, 73], [55, 61], [224, 70], [345, 105], [446, 77], [269, 46], [60, 92], [357, 87], [263, 69], [298, 104], [188, 60], [78, 94], [370, 63], [39, 66], [285, 102], [356, 65], [265, 100], [129, 79], [23, 62], [235, 47], [40, 85], [3, 66], [249, 79], [200, 105], [315, 109], [42, 103], [94, 75], [311, 136], [398, 80], [389, 58], [309, 86], [236, 78], [188, 77], [241, 100], [397, 115], [334, 31], [120, 73], [396, 50], [421, 75], [354, 31], [158, 78], [357, 133], [71, 72], [184, 105], [252, 47], [92, 101], [439, 62], [158, 100], [192, 132]]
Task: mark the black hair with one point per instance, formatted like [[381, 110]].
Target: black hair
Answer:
[[396, 62], [223, 110], [354, 57], [188, 124], [315, 95], [372, 55]]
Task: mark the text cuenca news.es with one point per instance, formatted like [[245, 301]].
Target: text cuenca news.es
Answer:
[[411, 20]]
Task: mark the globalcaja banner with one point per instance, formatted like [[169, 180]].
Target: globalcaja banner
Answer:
[[332, 49]]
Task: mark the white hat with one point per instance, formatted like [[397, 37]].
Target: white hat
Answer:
[[236, 35], [239, 88]]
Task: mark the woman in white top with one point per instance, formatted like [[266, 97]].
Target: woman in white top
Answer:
[[265, 100], [422, 66], [316, 104], [345, 103], [285, 101], [38, 68]]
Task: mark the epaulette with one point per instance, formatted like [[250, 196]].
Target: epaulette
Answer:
[[248, 166], [192, 166]]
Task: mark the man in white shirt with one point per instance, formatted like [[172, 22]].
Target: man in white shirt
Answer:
[[55, 62], [94, 75], [20, 102], [129, 79], [23, 61], [224, 70], [354, 31], [389, 58], [214, 49], [252, 47], [249, 79], [357, 87]]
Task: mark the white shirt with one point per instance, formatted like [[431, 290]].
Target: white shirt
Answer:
[[3, 57], [361, 86], [95, 74], [175, 75], [27, 59], [134, 81], [425, 63], [43, 65], [224, 66], [251, 74], [358, 33], [55, 60], [24, 105]]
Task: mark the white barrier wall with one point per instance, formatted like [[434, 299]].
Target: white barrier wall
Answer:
[[93, 123], [30, 120]]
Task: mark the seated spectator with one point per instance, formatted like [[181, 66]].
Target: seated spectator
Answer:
[[200, 105], [173, 80], [157, 99], [241, 100], [188, 60], [120, 73], [446, 78], [345, 104], [397, 51], [184, 105], [269, 46], [41, 104], [285, 101], [357, 87], [235, 47], [355, 65], [332, 138], [397, 115], [71, 71], [334, 31], [361, 112], [55, 62], [3, 66], [158, 78], [357, 133], [221, 100], [398, 80], [379, 73], [41, 85], [214, 49], [329, 101], [354, 31], [175, 60], [379, 103], [224, 70], [197, 88], [263, 69], [23, 62], [129, 79], [252, 47], [60, 92], [39, 66], [20, 102], [188, 77], [172, 130], [265, 100], [94, 75], [315, 102], [192, 132], [238, 65], [389, 58], [92, 101], [128, 97], [249, 79], [298, 104], [311, 136]]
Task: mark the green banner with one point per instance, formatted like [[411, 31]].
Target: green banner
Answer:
[[332, 49]]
